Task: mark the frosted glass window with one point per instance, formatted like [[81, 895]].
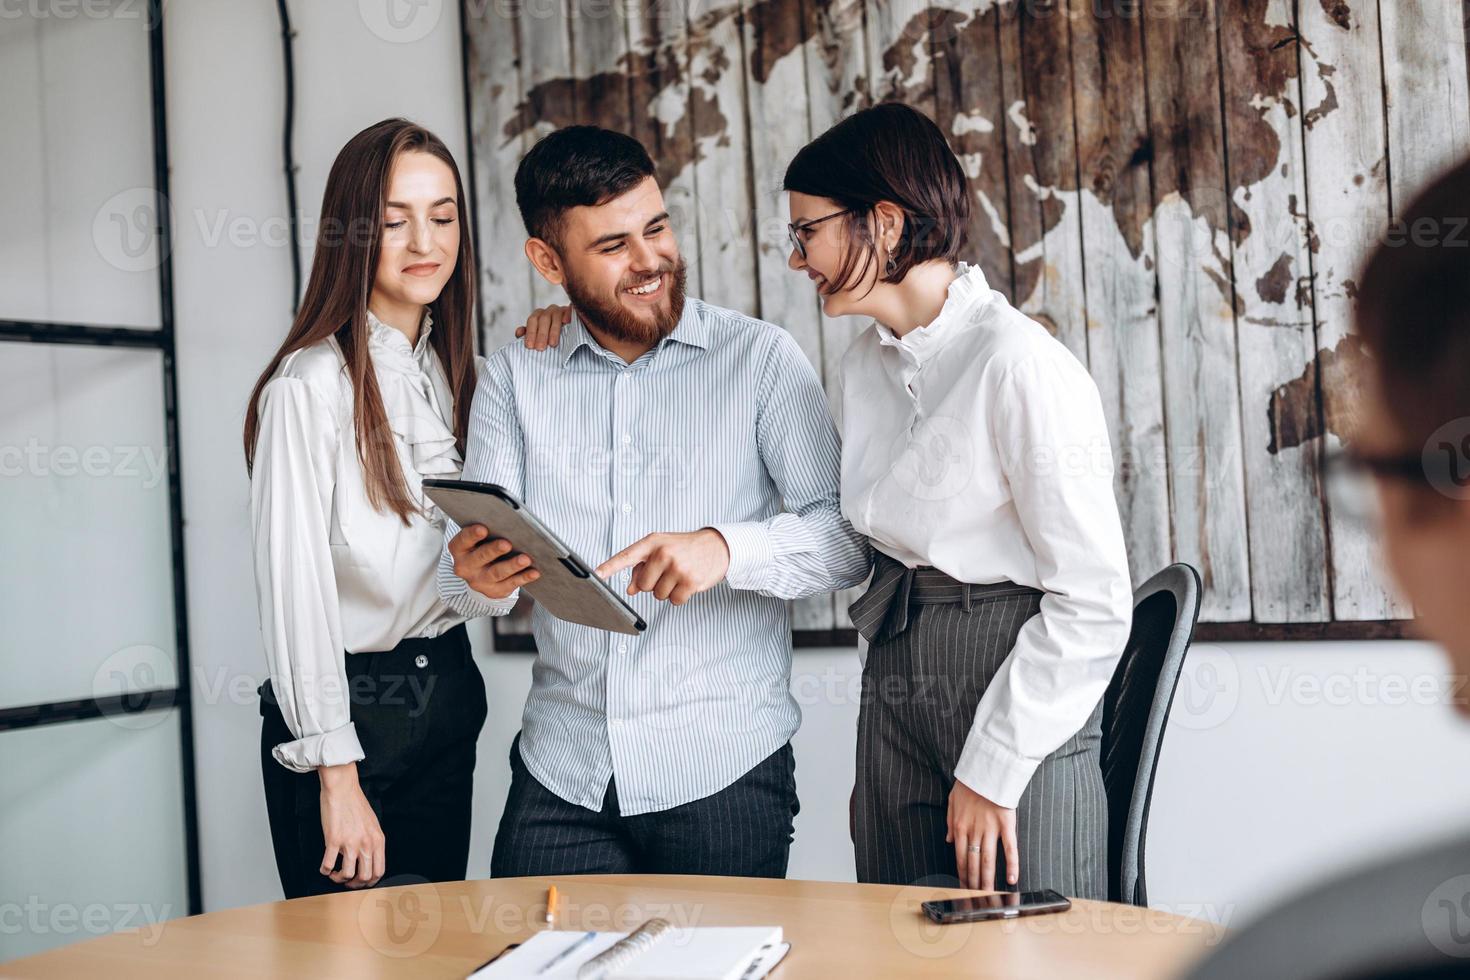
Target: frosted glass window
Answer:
[[86, 579], [77, 157], [91, 828]]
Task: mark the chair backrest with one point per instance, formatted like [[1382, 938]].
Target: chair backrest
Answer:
[[1135, 711]]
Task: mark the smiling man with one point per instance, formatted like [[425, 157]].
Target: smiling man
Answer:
[[693, 446]]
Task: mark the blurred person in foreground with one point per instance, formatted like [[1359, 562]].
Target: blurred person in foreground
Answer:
[[1409, 462]]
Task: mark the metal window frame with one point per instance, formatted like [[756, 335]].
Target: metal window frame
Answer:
[[161, 340]]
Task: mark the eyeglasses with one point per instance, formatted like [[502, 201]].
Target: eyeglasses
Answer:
[[1351, 477], [1444, 467], [794, 231], [1349, 484]]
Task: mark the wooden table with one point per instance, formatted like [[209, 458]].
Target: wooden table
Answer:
[[836, 930]]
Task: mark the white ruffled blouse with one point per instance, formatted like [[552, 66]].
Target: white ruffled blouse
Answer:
[[977, 444], [333, 574]]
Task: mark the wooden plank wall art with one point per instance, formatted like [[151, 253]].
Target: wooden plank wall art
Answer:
[[1181, 190]]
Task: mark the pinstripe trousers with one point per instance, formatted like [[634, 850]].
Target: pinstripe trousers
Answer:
[[745, 829], [935, 644]]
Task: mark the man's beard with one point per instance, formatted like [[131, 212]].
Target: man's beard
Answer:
[[612, 318]]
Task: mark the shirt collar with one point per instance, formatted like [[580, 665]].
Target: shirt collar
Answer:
[[692, 329], [968, 290], [393, 339]]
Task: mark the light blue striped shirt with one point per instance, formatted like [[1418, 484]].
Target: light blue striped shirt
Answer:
[[717, 426]]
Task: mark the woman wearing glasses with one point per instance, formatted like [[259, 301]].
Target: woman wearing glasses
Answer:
[[976, 458]]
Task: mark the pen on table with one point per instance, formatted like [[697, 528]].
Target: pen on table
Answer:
[[551, 904], [585, 938]]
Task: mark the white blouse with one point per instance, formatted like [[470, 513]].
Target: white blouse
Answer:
[[332, 573], [977, 444]]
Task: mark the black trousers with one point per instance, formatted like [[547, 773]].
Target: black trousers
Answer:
[[745, 829], [418, 709]]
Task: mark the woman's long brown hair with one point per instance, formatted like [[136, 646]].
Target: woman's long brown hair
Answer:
[[335, 304]]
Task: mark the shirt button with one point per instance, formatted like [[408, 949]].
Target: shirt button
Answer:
[[627, 439], [421, 661], [622, 648], [627, 508]]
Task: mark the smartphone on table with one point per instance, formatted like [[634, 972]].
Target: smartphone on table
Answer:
[[1004, 905]]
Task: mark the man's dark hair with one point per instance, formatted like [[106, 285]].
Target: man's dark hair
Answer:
[[578, 166], [888, 152], [1414, 309]]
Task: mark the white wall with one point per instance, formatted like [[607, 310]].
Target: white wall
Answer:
[[1259, 785], [1284, 762]]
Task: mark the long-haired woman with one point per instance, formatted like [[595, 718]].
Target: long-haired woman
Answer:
[[976, 458], [374, 703]]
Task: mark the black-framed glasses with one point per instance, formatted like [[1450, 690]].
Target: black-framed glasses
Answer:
[[1346, 461], [1349, 482], [1351, 476], [1444, 467], [794, 230]]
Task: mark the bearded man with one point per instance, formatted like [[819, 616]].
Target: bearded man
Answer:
[[693, 445]]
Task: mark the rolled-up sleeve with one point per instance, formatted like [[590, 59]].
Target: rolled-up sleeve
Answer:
[[494, 453], [1049, 429], [810, 547], [296, 588]]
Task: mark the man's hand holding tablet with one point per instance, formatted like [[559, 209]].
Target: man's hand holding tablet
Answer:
[[481, 561]]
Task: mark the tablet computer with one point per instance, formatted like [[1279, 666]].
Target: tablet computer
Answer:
[[567, 588]]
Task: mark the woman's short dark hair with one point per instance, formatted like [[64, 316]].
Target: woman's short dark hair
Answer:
[[1414, 309], [577, 166], [888, 152]]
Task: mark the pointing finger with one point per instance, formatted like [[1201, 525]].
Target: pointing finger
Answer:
[[629, 556], [1013, 855]]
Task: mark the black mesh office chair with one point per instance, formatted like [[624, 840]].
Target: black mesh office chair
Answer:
[[1135, 711]]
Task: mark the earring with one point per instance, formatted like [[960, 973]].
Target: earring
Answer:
[[892, 265]]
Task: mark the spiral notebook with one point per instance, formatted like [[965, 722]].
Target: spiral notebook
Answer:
[[654, 951]]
